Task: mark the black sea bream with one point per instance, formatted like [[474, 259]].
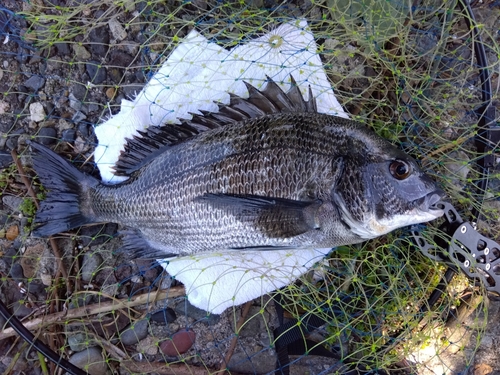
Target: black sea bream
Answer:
[[265, 172]]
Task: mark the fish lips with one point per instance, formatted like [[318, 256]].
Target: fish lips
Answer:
[[431, 203]]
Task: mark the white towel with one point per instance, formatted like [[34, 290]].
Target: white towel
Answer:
[[196, 74]]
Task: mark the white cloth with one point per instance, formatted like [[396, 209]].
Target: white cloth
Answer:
[[196, 74]]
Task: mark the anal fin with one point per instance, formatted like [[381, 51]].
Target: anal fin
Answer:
[[136, 246]]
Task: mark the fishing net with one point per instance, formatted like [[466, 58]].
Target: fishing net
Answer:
[[406, 69]]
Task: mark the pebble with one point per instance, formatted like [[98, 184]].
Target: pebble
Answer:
[[148, 346], [46, 136], [110, 93], [12, 202], [99, 37], [4, 106], [130, 47], [34, 83], [165, 316], [96, 72], [62, 125], [79, 341], [260, 361], [78, 91], [81, 145], [13, 139], [20, 310], [135, 333], [30, 260], [68, 135], [83, 130], [22, 55], [37, 112], [78, 117], [117, 30], [129, 5], [91, 360], [197, 314], [62, 48], [16, 272], [5, 159], [90, 266], [115, 74], [81, 52], [12, 232], [75, 103], [180, 343]]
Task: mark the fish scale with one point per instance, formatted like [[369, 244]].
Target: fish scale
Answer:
[[265, 172]]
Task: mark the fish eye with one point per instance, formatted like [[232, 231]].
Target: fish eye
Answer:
[[400, 169]]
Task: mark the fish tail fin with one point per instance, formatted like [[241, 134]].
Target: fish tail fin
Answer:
[[66, 204]]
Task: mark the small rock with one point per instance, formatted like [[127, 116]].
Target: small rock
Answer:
[[83, 130], [12, 202], [96, 72], [16, 272], [22, 55], [130, 47], [20, 310], [68, 135], [148, 346], [30, 260], [135, 333], [482, 369], [260, 361], [91, 360], [79, 341], [46, 136], [129, 5], [81, 145], [46, 279], [62, 48], [180, 343], [78, 117], [165, 316], [115, 74], [99, 37], [5, 159], [110, 93], [81, 52], [62, 125], [79, 91], [117, 30], [34, 83], [197, 314], [90, 266], [54, 63], [12, 232], [75, 103], [37, 112], [4, 106]]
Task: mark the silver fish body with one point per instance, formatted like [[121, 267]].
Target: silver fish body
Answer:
[[264, 172]]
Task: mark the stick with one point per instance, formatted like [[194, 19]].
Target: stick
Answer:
[[98, 308], [230, 350]]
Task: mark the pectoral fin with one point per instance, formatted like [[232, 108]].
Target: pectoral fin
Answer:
[[276, 217]]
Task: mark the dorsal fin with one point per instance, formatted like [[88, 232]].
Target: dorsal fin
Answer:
[[143, 148]]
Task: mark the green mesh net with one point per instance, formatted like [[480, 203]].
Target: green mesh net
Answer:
[[406, 69]]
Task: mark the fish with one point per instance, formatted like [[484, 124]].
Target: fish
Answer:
[[264, 172]]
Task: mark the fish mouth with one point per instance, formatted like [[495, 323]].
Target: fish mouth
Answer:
[[431, 203]]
